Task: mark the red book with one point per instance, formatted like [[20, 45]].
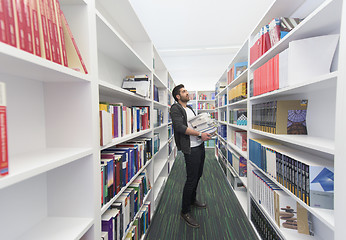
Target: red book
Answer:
[[10, 22], [276, 71], [20, 23], [266, 40], [28, 29], [75, 60], [118, 183], [61, 33], [48, 14], [3, 132], [35, 28], [43, 28], [3, 24], [53, 11]]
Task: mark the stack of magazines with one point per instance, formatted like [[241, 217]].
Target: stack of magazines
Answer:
[[204, 123]]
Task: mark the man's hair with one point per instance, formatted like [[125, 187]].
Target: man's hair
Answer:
[[176, 91]]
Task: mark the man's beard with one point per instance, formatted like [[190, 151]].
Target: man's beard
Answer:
[[185, 99]]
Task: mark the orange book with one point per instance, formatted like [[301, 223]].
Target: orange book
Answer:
[[43, 31], [61, 33], [74, 57], [35, 27]]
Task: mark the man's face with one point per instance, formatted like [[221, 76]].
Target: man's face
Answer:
[[184, 95]]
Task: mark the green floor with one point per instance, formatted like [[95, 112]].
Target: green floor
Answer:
[[223, 219]]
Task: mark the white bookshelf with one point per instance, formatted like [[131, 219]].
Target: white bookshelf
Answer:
[[325, 95], [53, 123]]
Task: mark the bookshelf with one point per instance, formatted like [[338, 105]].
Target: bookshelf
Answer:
[[54, 129], [325, 95]]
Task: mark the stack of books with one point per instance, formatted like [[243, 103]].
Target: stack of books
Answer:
[[204, 123]]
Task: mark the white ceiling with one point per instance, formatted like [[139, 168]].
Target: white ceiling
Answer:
[[197, 39]]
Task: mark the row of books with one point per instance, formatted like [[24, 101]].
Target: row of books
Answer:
[[239, 138], [120, 164], [219, 86], [192, 95], [202, 106], [308, 177], [272, 75], [139, 84], [286, 211], [117, 120], [141, 224], [223, 116], [40, 27], [170, 131], [261, 223], [210, 96], [223, 100], [213, 115], [280, 117], [237, 93], [158, 94], [223, 148], [170, 146], [3, 132], [238, 162], [235, 71], [116, 220], [238, 116], [269, 35], [158, 117], [296, 64], [156, 141], [222, 131]]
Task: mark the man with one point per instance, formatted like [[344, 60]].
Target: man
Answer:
[[191, 143]]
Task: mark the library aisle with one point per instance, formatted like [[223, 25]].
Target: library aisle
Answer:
[[223, 219]]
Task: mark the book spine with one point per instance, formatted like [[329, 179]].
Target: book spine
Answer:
[[35, 28], [28, 28], [3, 143], [10, 22], [50, 29], [3, 23], [20, 24], [56, 37], [61, 33], [43, 28]]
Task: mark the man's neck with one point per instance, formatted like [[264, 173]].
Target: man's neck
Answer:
[[183, 104]]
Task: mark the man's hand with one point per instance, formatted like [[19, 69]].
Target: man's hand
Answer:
[[205, 136]]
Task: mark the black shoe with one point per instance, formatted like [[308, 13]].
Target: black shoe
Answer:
[[189, 220], [199, 204]]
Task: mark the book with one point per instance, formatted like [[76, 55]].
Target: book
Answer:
[[74, 57], [43, 30], [20, 26], [9, 13], [3, 132], [35, 27], [280, 117], [61, 37], [239, 68]]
